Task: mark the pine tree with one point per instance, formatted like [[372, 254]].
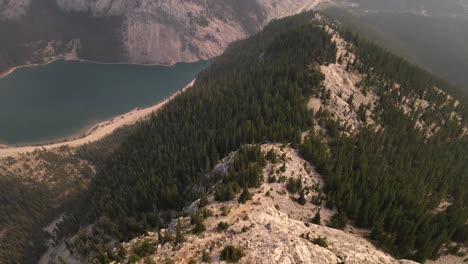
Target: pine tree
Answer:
[[317, 219], [206, 258], [180, 238], [339, 220], [203, 200], [301, 200], [245, 196]]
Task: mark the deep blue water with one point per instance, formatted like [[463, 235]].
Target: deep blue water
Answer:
[[60, 99]]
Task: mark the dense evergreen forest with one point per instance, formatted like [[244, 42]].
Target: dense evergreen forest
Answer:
[[32, 201], [254, 93], [35, 189], [392, 179], [388, 180]]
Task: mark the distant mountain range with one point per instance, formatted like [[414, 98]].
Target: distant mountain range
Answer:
[[447, 8], [430, 33]]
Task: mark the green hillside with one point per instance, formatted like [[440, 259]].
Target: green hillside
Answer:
[[257, 92]]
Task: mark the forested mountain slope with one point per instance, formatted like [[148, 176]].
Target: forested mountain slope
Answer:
[[389, 139], [37, 190], [280, 219]]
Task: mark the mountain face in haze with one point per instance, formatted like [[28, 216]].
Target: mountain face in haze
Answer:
[[150, 32], [452, 8], [430, 33]]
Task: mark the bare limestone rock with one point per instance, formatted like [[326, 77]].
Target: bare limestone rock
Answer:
[[271, 228]]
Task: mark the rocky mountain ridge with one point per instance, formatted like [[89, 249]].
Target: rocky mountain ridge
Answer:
[[271, 227]]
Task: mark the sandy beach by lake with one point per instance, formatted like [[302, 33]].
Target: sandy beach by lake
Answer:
[[95, 133]]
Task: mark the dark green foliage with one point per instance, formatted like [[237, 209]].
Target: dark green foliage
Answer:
[[206, 257], [121, 253], [206, 213], [247, 167], [106, 226], [294, 185], [315, 150], [166, 237], [317, 200], [231, 254], [99, 151], [339, 220], [301, 200], [133, 258], [225, 210], [226, 192], [169, 261], [149, 260], [145, 248], [283, 167], [320, 241], [461, 234], [362, 112], [384, 170], [159, 165], [317, 219], [203, 200], [305, 236], [197, 220], [29, 204], [245, 196], [245, 171], [33, 201], [272, 156], [271, 179], [179, 238], [455, 250], [223, 226], [257, 92], [372, 176]]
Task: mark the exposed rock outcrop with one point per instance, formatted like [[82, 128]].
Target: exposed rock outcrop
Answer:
[[271, 228], [170, 31], [145, 31]]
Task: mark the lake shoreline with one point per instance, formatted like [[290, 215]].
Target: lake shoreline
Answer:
[[96, 132], [13, 69]]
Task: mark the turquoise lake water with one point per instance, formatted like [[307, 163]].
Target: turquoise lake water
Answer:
[[60, 99]]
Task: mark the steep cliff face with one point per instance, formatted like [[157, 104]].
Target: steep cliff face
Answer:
[[144, 31], [170, 31]]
